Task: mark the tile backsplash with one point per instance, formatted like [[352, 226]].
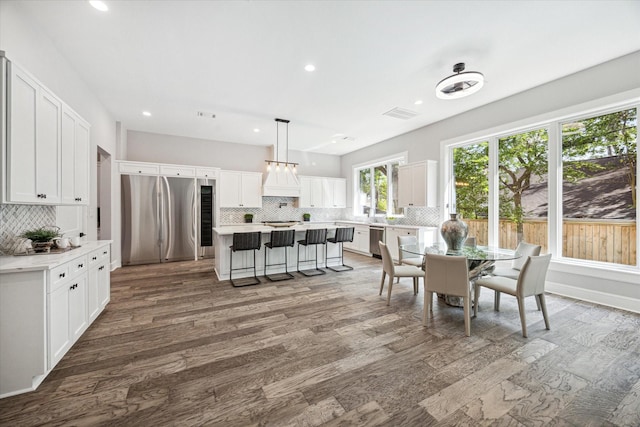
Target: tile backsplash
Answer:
[[16, 219]]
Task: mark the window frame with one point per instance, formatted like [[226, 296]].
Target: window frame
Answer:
[[400, 159], [551, 121]]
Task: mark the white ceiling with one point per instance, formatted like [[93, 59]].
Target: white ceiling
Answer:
[[244, 60]]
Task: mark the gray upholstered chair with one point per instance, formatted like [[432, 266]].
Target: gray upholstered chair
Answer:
[[524, 249], [388, 268], [530, 282], [448, 275], [406, 258]]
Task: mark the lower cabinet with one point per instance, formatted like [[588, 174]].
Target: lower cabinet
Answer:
[[99, 284], [360, 238]]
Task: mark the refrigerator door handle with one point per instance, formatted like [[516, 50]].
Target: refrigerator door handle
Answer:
[[168, 220]]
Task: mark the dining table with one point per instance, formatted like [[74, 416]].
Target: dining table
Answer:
[[480, 260]]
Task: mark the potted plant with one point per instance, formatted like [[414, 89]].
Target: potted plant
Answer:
[[306, 216], [42, 238], [248, 217]]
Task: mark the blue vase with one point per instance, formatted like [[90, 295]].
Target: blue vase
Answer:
[[454, 232]]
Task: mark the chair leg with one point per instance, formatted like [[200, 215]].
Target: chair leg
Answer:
[[425, 307], [538, 304], [298, 260], [543, 306], [389, 291], [476, 293], [384, 275], [496, 301], [523, 317], [467, 315]]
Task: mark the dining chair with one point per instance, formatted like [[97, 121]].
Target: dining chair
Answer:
[[525, 250], [530, 282], [404, 258], [447, 275], [388, 268]]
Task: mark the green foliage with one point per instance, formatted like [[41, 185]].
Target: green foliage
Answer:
[[306, 216], [42, 234], [471, 164], [248, 216]]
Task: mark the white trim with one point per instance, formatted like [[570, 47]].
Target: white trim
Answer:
[[402, 157], [597, 297]]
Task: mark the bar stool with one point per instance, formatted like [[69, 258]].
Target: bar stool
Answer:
[[344, 234], [312, 238], [245, 242], [279, 239]]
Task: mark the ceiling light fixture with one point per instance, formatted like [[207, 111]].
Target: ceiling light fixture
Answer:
[[310, 67], [277, 161], [418, 102], [146, 114], [100, 5], [256, 130], [460, 84]]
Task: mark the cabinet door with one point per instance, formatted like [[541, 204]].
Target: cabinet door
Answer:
[[419, 181], [230, 187], [305, 192], [21, 147], [93, 299], [339, 190], [363, 241], [81, 163], [77, 306], [405, 186], [104, 285], [251, 190], [68, 148], [317, 193], [59, 331], [48, 119]]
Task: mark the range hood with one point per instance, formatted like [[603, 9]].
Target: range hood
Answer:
[[282, 183], [280, 179]]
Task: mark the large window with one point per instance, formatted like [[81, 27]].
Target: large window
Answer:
[[377, 185], [569, 185]]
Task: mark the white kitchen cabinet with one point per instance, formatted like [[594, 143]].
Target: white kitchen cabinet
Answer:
[[33, 145], [417, 184], [58, 320], [138, 168], [210, 173], [240, 189], [98, 283], [334, 192], [311, 192], [360, 238], [182, 171], [428, 235], [75, 159]]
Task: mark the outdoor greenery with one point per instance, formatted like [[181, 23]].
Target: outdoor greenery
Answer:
[[380, 186]]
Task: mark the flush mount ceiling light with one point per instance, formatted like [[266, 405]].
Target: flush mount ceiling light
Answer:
[[146, 114], [310, 67], [460, 84], [101, 6]]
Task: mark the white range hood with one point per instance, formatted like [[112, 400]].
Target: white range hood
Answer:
[[282, 183]]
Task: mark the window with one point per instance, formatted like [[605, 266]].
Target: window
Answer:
[[599, 188], [377, 185], [569, 185]]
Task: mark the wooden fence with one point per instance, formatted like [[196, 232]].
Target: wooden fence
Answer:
[[604, 240]]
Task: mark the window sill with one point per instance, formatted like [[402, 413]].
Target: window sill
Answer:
[[629, 274]]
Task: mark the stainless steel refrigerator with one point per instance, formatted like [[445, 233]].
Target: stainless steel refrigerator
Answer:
[[158, 219]]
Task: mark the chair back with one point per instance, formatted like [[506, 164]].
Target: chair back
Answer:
[[387, 262], [344, 234], [316, 236], [447, 274], [405, 240], [526, 250], [471, 242], [246, 241], [429, 250], [281, 238], [533, 275]]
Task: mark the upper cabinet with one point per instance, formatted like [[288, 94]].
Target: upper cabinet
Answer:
[[321, 192], [240, 189], [47, 146], [75, 159], [417, 184]]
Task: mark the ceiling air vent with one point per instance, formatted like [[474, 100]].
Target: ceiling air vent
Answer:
[[347, 138], [400, 113], [206, 115]]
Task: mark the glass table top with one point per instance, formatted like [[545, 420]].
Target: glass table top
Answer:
[[477, 253]]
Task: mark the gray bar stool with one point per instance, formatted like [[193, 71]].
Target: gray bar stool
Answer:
[[312, 238], [279, 239], [245, 242], [344, 234]]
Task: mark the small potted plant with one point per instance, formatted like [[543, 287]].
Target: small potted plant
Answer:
[[42, 238], [248, 217], [306, 216]]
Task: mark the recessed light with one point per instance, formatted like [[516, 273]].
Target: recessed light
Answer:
[[333, 141], [100, 5], [256, 130], [146, 113], [338, 135], [310, 67], [418, 102]]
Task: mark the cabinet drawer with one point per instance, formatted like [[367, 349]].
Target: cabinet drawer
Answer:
[[78, 266], [105, 253], [58, 275], [94, 257], [207, 173], [139, 168], [178, 171]]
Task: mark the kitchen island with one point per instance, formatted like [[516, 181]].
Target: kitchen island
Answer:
[[224, 239]]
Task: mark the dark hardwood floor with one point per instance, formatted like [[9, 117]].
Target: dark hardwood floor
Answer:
[[177, 347]]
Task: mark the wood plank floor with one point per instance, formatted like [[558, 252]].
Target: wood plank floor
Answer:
[[177, 347]]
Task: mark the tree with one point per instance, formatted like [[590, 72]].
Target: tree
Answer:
[[471, 164]]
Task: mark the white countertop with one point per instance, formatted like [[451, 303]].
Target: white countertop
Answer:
[[382, 224], [19, 263], [227, 230]]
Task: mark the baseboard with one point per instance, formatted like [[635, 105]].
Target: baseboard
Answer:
[[597, 297]]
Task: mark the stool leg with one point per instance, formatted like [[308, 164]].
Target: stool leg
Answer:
[[231, 267], [265, 261]]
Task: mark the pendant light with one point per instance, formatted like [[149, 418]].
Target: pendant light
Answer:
[[460, 84], [286, 164]]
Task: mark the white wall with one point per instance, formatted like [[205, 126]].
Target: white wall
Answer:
[[614, 77], [159, 148], [26, 45]]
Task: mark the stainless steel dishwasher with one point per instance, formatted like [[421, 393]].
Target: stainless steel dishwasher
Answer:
[[376, 234]]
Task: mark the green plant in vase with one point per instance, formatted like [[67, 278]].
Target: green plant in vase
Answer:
[[248, 217], [42, 237], [306, 216]]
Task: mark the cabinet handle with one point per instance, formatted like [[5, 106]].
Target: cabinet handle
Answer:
[[75, 285], [139, 171], [94, 258], [80, 265], [45, 196], [61, 275], [104, 253], [178, 174]]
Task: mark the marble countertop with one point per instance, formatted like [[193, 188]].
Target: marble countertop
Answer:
[[382, 224], [227, 230], [20, 263]]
